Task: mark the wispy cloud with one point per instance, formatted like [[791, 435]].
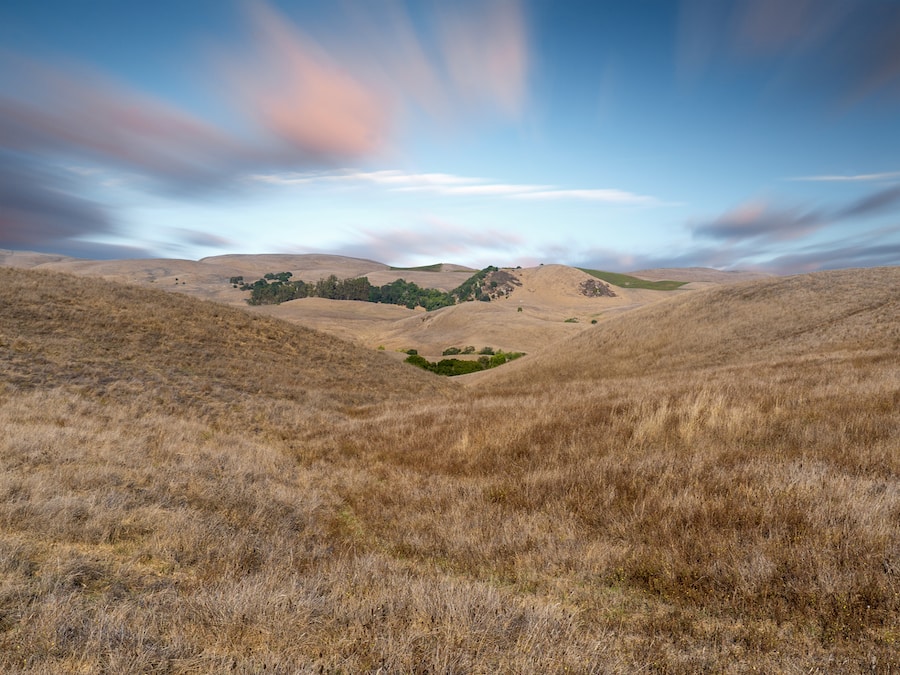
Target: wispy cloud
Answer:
[[845, 48], [38, 206], [872, 248], [387, 177], [869, 248], [608, 196], [754, 235], [485, 189], [758, 220], [856, 178], [877, 202], [763, 221], [433, 241], [454, 185]]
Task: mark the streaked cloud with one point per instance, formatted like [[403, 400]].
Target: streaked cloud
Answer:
[[299, 93], [487, 58], [453, 185], [856, 178], [486, 189], [286, 101], [40, 210], [49, 112], [608, 196], [761, 220], [872, 204], [388, 177], [871, 248], [201, 238], [846, 49], [434, 240]]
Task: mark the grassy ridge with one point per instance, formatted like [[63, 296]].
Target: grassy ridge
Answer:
[[709, 503], [626, 281]]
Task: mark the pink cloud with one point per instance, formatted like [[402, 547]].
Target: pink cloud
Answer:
[[486, 56], [433, 240], [297, 92], [760, 220]]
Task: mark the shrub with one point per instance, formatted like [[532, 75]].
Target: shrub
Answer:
[[417, 360]]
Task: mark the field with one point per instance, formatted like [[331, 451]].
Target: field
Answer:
[[628, 281], [706, 483]]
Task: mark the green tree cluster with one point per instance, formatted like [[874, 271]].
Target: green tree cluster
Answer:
[[277, 287], [452, 367]]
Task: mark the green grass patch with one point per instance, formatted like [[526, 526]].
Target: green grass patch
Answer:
[[626, 281], [422, 268]]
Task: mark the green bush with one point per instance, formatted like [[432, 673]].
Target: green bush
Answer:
[[419, 361]]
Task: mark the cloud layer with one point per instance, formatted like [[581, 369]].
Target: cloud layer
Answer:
[[293, 103]]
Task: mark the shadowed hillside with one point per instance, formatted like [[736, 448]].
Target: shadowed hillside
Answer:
[[173, 354], [710, 484]]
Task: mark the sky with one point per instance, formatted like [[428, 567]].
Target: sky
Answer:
[[733, 134]]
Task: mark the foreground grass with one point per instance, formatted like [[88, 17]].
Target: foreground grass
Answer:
[[733, 512], [627, 281]]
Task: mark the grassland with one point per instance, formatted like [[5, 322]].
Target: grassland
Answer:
[[627, 281], [708, 484]]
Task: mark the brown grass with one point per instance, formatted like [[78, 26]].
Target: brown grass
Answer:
[[708, 485]]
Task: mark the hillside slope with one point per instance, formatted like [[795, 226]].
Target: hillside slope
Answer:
[[689, 487], [177, 353], [768, 320]]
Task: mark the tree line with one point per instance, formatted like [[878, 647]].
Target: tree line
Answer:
[[275, 288]]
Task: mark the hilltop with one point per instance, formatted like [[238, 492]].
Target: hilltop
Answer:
[[705, 482]]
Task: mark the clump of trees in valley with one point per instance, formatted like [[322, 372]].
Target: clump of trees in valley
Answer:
[[275, 288], [488, 359]]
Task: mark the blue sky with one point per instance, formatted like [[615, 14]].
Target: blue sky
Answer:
[[750, 134]]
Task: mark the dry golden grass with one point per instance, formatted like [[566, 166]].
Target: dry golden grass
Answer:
[[711, 484]]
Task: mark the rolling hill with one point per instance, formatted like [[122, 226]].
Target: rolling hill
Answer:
[[548, 296], [709, 482]]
